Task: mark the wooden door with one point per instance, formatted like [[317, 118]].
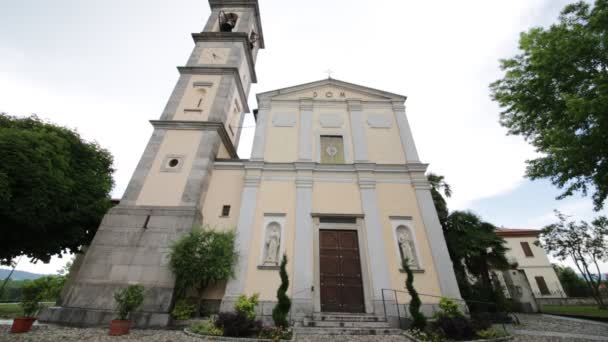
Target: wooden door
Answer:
[[340, 271]]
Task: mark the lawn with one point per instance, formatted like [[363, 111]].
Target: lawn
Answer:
[[9, 310], [575, 310]]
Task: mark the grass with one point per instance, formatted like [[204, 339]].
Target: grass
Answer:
[[9, 310], [12, 310], [576, 310]]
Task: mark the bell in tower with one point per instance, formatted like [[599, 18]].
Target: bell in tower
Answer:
[[227, 21]]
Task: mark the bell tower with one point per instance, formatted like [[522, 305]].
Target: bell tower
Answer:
[[163, 201]]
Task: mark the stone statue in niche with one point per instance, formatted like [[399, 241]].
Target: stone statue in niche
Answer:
[[406, 246], [272, 244]]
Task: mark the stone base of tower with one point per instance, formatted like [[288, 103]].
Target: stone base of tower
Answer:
[[131, 246]]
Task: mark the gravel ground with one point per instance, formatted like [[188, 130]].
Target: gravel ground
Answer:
[[533, 323]]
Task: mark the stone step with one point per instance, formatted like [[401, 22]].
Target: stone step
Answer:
[[347, 317], [348, 324], [347, 331]]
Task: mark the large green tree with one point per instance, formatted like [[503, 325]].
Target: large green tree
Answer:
[[572, 283], [54, 189], [555, 94], [439, 186]]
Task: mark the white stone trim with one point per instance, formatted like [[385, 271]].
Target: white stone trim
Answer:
[[358, 131], [439, 250], [303, 245], [305, 131], [405, 133], [269, 218], [259, 139], [406, 222]]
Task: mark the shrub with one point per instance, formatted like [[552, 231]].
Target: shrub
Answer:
[[247, 305], [281, 310], [456, 328], [129, 299], [491, 333], [206, 328], [183, 310], [202, 257], [31, 295], [418, 319], [275, 333], [449, 308], [237, 324]]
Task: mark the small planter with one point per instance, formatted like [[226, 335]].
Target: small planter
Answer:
[[119, 327], [22, 324]]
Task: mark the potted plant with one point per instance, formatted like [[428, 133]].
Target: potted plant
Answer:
[[128, 300], [31, 295]]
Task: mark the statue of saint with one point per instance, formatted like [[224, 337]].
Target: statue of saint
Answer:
[[273, 242], [406, 247]]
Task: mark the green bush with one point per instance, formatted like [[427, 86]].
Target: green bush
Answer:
[[206, 328], [418, 319], [182, 310], [201, 258], [129, 299], [31, 296], [281, 310], [448, 308], [247, 305], [491, 333], [275, 333]]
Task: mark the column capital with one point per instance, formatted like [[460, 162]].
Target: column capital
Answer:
[[252, 181], [264, 104], [398, 106], [354, 105], [367, 183], [306, 104]]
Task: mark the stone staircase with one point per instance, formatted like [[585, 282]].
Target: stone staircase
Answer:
[[327, 323]]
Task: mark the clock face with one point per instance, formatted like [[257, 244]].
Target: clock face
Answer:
[[214, 56]]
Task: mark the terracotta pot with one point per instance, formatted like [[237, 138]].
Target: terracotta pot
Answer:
[[22, 324], [119, 327]]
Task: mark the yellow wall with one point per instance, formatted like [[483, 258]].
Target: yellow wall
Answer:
[[273, 197], [191, 96], [383, 144], [400, 200], [225, 188], [166, 188], [281, 142], [336, 198]]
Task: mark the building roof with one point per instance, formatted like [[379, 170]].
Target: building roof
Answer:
[[511, 232]]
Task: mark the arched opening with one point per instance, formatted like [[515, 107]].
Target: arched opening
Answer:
[[227, 21]]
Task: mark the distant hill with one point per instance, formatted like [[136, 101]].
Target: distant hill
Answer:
[[19, 275]]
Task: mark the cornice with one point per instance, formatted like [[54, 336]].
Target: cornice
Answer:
[[230, 37], [204, 70], [338, 168], [199, 126]]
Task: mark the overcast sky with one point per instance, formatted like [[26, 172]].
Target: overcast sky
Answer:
[[107, 67]]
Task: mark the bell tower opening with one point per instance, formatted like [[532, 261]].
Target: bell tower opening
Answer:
[[227, 21]]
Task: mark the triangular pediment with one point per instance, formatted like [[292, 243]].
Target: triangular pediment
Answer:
[[330, 89]]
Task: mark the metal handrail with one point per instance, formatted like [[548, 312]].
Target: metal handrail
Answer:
[[466, 302]]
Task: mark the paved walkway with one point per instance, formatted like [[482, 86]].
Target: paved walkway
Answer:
[[538, 328]]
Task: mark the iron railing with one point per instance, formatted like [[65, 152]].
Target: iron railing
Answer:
[[402, 308]]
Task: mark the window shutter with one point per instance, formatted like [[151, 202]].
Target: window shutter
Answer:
[[542, 286], [527, 250]]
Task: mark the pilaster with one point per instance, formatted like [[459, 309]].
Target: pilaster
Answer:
[[303, 279], [259, 139], [358, 131], [407, 140], [305, 131]]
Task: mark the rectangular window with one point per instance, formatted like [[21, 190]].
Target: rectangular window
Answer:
[[332, 149], [226, 210], [527, 250], [542, 286]]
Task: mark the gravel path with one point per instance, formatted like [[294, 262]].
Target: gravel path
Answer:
[[533, 328]]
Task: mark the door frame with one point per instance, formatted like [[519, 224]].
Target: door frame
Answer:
[[363, 257]]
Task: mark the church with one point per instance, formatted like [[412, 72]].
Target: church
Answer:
[[334, 182]]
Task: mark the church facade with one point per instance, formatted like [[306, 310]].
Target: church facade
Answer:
[[334, 182]]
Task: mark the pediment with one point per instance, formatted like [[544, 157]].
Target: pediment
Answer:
[[330, 89]]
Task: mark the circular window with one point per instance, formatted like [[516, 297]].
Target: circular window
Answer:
[[173, 162]]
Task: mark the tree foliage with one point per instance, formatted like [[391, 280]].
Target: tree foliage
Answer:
[[573, 285], [475, 245], [202, 257], [555, 94], [418, 319], [54, 189], [438, 186], [281, 310], [586, 244]]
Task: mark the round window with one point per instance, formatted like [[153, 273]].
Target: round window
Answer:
[[173, 162]]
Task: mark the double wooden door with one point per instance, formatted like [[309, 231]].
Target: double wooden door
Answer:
[[340, 271]]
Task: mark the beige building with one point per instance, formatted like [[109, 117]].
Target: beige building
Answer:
[[533, 277], [334, 182]]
